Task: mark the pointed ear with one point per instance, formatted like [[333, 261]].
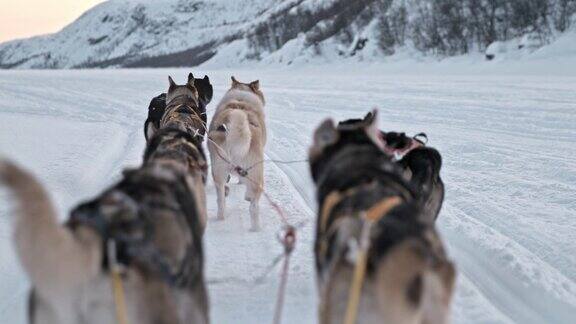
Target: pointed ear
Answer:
[[234, 81], [325, 135], [255, 86], [371, 128], [191, 81], [369, 118], [206, 78], [172, 83]]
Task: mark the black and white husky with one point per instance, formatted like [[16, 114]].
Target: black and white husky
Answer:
[[409, 278]]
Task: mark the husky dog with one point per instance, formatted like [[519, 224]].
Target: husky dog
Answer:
[[237, 137], [421, 165], [149, 225], [158, 106], [409, 278]]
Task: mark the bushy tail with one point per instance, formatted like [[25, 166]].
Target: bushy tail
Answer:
[[53, 257], [238, 136]]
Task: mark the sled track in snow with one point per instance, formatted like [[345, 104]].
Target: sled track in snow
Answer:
[[507, 145]]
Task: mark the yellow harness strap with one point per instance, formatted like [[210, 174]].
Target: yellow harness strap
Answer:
[[382, 208], [371, 216], [118, 290], [331, 200], [117, 286]]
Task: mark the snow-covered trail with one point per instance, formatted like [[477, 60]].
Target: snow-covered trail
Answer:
[[507, 144]]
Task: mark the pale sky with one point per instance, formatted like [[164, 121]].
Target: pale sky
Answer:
[[25, 18]]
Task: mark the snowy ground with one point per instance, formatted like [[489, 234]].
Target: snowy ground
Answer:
[[507, 142]]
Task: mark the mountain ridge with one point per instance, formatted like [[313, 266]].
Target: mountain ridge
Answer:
[[170, 33]]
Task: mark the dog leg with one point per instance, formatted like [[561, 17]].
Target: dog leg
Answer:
[[255, 214], [220, 174], [253, 193], [227, 188], [221, 199]]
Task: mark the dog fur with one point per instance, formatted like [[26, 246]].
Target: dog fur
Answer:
[[155, 214], [409, 278], [237, 135], [421, 166], [158, 106]]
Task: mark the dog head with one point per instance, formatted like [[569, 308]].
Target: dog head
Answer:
[[205, 91], [253, 87], [395, 144], [187, 90], [329, 139], [358, 122], [157, 106], [420, 164]]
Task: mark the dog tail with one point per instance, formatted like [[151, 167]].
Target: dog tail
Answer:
[[55, 259], [239, 134]]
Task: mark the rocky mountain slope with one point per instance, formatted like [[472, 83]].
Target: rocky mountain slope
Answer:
[[161, 33]]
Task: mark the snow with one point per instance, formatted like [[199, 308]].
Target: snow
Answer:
[[118, 29], [506, 132], [123, 32]]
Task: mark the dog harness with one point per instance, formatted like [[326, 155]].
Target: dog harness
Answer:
[[186, 109], [132, 235], [370, 216]]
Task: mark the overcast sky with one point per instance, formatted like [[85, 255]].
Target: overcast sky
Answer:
[[25, 18]]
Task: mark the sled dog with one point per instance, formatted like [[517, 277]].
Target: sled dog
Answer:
[[142, 236], [421, 166], [237, 137], [158, 106], [408, 277]]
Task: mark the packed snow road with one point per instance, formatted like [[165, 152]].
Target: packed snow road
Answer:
[[509, 217]]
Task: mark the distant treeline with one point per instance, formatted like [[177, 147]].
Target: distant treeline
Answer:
[[442, 27]]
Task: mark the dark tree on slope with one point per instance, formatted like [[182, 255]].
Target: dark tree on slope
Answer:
[[398, 23], [530, 16], [452, 27], [386, 39], [440, 27], [562, 12], [317, 23], [487, 21]]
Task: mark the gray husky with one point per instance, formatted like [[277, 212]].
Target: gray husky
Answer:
[[147, 228]]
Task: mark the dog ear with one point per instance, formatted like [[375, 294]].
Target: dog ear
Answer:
[[255, 85], [326, 134], [234, 81], [369, 118], [206, 78], [149, 130], [190, 83], [371, 129], [172, 83]]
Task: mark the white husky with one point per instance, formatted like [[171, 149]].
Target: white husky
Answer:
[[237, 138]]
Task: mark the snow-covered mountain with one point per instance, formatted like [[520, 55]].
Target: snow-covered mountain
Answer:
[[133, 33], [159, 33], [138, 32]]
